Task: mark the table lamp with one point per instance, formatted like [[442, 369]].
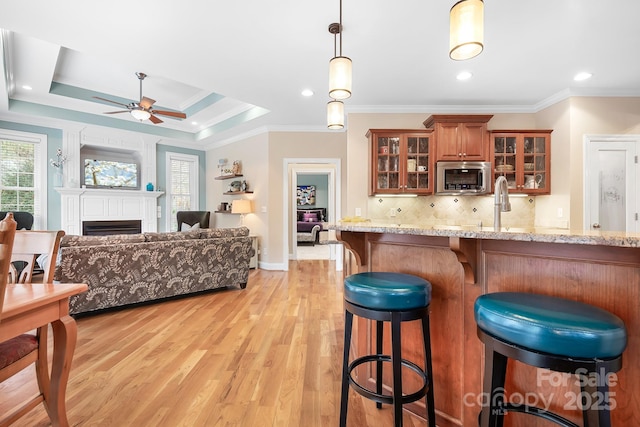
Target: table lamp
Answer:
[[241, 206]]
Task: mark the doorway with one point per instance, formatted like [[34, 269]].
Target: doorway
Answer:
[[294, 170], [610, 188]]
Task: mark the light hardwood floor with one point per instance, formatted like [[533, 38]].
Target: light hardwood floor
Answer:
[[268, 355]]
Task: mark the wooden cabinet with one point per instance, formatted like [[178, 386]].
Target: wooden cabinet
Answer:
[[460, 137], [401, 161], [524, 158]]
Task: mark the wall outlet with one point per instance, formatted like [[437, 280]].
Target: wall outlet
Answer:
[[263, 209], [392, 213], [559, 213], [159, 211], [358, 212]]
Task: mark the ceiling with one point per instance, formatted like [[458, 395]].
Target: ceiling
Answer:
[[238, 68]]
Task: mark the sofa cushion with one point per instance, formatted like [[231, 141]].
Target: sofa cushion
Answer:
[[212, 233], [114, 239], [174, 235]]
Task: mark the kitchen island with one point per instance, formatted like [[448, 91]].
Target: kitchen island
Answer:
[[463, 262]]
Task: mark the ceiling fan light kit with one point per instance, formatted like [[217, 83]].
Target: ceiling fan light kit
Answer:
[[466, 29], [142, 110]]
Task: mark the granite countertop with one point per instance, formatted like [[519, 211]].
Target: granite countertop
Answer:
[[545, 235]]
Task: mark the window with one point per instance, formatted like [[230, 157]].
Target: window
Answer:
[[23, 183], [182, 186]]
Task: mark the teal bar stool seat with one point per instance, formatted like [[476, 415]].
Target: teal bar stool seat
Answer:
[[396, 298], [553, 333]]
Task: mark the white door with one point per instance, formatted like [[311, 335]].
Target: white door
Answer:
[[611, 191]]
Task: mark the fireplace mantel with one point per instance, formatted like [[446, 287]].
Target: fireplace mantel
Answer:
[[89, 204]]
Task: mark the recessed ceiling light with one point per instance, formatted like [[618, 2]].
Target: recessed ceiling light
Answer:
[[27, 87], [307, 92], [582, 76], [464, 75], [194, 123]]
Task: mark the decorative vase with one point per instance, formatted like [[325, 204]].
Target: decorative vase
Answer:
[[149, 187]]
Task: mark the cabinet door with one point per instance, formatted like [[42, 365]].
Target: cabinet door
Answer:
[[386, 167], [524, 159], [473, 138], [419, 175], [448, 146], [536, 164]]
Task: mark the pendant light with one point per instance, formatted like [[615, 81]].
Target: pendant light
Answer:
[[339, 79], [335, 114], [466, 29], [339, 66]]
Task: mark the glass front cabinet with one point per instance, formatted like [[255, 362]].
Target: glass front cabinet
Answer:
[[524, 158], [401, 162]]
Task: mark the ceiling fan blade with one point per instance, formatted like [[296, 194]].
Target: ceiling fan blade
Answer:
[[116, 112], [154, 119], [146, 103], [113, 102], [171, 113]]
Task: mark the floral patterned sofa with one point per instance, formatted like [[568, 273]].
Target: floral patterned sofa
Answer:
[[132, 268]]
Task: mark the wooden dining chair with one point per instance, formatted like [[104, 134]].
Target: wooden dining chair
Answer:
[[7, 233], [24, 350]]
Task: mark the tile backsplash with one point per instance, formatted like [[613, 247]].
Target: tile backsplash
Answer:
[[450, 210]]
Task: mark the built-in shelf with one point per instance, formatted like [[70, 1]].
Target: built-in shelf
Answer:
[[226, 212], [232, 193], [227, 176]]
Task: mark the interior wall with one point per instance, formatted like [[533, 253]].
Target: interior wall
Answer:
[[296, 145], [262, 159], [253, 154], [321, 182], [595, 116], [554, 210]]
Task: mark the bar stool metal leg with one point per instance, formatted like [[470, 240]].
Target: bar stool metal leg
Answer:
[[344, 400], [396, 362], [426, 339], [379, 332]]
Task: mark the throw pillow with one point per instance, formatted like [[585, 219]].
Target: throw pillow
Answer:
[[186, 227], [310, 217]]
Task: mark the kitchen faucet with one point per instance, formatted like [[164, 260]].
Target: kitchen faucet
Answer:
[[501, 201]]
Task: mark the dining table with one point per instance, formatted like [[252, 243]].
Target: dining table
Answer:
[[29, 306]]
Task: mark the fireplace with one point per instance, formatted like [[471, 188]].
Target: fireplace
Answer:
[[103, 228]]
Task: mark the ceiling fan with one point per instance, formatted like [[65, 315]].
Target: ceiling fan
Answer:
[[142, 110]]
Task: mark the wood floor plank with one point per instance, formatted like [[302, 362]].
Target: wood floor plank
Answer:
[[268, 355]]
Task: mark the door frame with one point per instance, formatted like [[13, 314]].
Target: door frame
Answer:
[[631, 139], [320, 166]]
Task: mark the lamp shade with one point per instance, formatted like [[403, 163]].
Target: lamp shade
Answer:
[[340, 77], [241, 206], [466, 29], [140, 114], [335, 114]]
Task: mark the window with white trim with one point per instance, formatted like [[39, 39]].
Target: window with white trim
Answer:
[[182, 186], [23, 174]]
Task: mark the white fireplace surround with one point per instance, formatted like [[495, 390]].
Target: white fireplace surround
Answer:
[[84, 204]]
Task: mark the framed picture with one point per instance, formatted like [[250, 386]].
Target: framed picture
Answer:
[[306, 195]]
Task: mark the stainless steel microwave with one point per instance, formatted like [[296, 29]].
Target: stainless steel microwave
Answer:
[[463, 178]]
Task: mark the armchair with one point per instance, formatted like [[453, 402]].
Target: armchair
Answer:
[[193, 217]]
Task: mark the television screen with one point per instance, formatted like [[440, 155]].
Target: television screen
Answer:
[[306, 195], [110, 173]]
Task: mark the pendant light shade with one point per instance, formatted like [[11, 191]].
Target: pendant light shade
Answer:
[[335, 114], [466, 29], [340, 77]]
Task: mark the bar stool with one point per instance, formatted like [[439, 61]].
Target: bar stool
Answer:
[[554, 333], [395, 298]]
